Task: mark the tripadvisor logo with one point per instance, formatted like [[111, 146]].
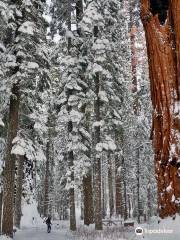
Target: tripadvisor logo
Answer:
[[139, 231]]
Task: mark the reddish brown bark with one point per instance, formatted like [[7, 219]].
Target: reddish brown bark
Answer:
[[19, 189], [9, 169], [163, 46]]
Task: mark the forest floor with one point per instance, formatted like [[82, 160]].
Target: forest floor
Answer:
[[60, 231], [40, 233]]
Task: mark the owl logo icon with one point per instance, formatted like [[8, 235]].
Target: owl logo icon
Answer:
[[139, 231]]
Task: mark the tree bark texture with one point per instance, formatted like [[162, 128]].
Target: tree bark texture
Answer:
[[88, 211], [118, 186], [9, 169], [88, 199], [161, 20], [138, 188], [19, 183], [97, 163], [46, 181], [1, 198], [110, 186], [70, 131]]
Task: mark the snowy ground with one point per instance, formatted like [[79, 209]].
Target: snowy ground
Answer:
[[109, 233], [40, 233], [60, 232], [33, 228]]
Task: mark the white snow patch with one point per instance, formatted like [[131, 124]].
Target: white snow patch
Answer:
[[30, 215], [98, 123], [18, 150], [32, 65], [27, 28], [5, 238], [103, 96], [169, 188], [16, 139], [1, 123]]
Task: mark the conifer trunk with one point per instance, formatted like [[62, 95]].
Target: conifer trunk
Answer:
[[1, 198], [19, 183], [70, 130], [88, 199], [117, 187], [87, 179], [97, 162], [138, 188], [9, 169], [161, 22], [46, 181], [110, 186]]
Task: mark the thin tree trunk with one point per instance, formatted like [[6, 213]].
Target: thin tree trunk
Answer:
[[72, 195], [9, 169], [117, 187], [129, 206], [138, 188], [70, 130], [46, 182], [110, 186], [97, 163], [161, 23], [125, 211], [149, 205], [19, 182], [1, 198], [88, 199]]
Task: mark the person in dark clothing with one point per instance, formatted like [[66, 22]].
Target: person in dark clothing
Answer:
[[48, 222]]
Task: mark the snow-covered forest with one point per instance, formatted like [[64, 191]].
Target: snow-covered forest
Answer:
[[89, 119]]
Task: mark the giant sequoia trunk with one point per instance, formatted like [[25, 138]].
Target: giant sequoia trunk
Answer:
[[9, 169], [161, 20]]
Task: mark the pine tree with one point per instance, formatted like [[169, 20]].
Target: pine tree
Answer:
[[20, 37]]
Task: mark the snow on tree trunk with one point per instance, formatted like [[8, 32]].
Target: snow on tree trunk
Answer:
[[88, 213], [97, 161], [19, 182], [9, 169], [161, 23], [70, 130]]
